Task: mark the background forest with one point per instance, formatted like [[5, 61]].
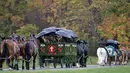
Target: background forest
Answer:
[[89, 19]]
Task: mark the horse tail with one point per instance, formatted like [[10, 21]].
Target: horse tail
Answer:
[[4, 50], [99, 55], [102, 56], [98, 52]]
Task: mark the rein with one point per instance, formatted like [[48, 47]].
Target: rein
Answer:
[[4, 58], [26, 60], [83, 56], [107, 52]]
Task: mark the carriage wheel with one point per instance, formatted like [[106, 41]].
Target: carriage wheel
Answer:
[[61, 62], [54, 64], [41, 62], [67, 65], [46, 62]]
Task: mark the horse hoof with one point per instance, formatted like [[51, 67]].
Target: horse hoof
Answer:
[[17, 69], [85, 65], [103, 65], [27, 68], [22, 68], [1, 69], [81, 66], [33, 68], [10, 69], [77, 65]]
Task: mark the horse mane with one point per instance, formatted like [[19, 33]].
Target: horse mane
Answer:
[[3, 37]]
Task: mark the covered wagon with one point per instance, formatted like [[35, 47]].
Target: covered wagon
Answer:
[[57, 46]]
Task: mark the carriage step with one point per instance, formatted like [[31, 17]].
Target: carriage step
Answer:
[[51, 60], [48, 59]]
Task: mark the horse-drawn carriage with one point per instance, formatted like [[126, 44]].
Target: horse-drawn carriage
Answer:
[[57, 45], [109, 52]]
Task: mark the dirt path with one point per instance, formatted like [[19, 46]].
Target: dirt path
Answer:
[[88, 67]]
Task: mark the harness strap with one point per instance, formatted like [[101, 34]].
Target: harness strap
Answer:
[[106, 51], [26, 60]]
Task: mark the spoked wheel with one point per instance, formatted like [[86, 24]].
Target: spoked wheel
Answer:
[[61, 63], [54, 64]]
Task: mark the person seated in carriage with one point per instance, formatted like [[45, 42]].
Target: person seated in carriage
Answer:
[[102, 42], [52, 38], [117, 49], [114, 45]]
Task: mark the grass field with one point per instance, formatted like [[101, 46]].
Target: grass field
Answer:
[[124, 69], [92, 60]]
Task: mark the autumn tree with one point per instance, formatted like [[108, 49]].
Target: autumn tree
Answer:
[[116, 21], [27, 29], [11, 15]]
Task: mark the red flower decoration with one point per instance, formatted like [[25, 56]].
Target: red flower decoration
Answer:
[[51, 49], [60, 49], [42, 49]]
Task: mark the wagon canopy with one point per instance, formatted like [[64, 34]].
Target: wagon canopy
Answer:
[[47, 31], [112, 42], [57, 31]]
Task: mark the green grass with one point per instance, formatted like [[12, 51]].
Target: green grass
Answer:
[[124, 69], [92, 60]]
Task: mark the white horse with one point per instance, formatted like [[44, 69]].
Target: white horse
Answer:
[[106, 55], [102, 56]]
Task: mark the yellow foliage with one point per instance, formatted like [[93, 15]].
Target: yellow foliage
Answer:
[[17, 20], [115, 25]]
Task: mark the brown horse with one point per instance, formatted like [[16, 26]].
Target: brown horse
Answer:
[[125, 57], [28, 49], [9, 50], [21, 44], [31, 47]]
